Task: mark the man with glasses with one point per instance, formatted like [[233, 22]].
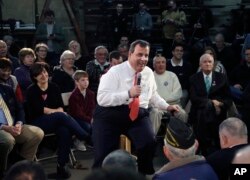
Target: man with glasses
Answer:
[[97, 67]]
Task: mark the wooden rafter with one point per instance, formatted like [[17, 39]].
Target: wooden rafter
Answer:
[[79, 34], [45, 8]]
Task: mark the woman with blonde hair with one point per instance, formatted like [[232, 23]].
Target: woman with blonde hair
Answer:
[[62, 74]]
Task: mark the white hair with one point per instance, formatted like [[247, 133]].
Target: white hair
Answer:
[[181, 153], [66, 54], [234, 127], [100, 47], [204, 56], [158, 56]]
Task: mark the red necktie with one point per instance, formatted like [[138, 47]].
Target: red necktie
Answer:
[[134, 105]]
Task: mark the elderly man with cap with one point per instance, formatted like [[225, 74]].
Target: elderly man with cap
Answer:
[[180, 147]]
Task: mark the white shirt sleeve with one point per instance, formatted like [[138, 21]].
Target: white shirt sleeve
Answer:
[[108, 91]]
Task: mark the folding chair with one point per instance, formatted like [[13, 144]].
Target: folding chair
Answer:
[[72, 158]]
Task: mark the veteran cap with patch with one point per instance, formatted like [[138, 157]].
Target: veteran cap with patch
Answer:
[[179, 135]]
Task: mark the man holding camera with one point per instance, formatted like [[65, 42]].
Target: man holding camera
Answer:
[[51, 34], [172, 19]]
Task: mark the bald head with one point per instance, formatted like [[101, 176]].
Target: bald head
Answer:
[[232, 131], [119, 159]]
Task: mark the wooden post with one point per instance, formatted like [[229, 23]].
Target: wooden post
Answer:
[[45, 8], [80, 36]]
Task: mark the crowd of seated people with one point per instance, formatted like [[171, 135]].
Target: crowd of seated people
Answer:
[[221, 80]]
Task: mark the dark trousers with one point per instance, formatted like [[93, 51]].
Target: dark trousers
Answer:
[[64, 126], [110, 122], [84, 125]]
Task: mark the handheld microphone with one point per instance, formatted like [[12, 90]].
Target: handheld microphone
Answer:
[[139, 79]]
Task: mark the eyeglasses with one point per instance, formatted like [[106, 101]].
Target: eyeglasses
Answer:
[[102, 54]]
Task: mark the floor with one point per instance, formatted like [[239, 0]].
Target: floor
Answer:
[[86, 160]]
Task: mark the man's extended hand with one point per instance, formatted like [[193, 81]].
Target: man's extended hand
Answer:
[[173, 108]]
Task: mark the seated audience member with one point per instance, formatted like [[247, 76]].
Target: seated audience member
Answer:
[[233, 136], [200, 22], [13, 47], [97, 67], [82, 104], [7, 78], [210, 98], [169, 88], [225, 54], [179, 38], [240, 77], [4, 54], [115, 58], [45, 109], [218, 67], [80, 60], [62, 74], [41, 51], [182, 68], [22, 73], [119, 159], [242, 156], [26, 170], [123, 50], [13, 130], [180, 147], [124, 40]]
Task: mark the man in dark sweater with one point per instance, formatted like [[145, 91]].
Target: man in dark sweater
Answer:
[[233, 136], [182, 68]]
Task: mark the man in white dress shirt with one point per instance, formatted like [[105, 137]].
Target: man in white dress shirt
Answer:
[[116, 91]]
